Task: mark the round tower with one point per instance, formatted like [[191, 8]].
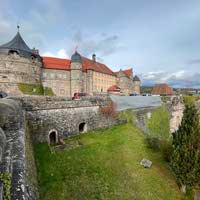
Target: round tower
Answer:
[[18, 64], [76, 73], [136, 85]]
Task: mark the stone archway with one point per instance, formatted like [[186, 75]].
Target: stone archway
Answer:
[[82, 127], [53, 137]]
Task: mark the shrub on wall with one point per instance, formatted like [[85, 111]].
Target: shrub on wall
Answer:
[[48, 91], [109, 110], [35, 89], [5, 178]]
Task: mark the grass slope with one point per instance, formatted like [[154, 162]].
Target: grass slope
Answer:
[[105, 167]]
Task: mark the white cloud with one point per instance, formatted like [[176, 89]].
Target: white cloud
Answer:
[[60, 54], [179, 78]]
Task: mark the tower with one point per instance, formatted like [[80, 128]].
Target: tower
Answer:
[[136, 84], [76, 73], [18, 64]]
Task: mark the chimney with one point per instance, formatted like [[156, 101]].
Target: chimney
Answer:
[[94, 57]]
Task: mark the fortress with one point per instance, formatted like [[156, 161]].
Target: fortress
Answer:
[[20, 64]]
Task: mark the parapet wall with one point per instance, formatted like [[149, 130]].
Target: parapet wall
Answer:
[[63, 116], [13, 159]]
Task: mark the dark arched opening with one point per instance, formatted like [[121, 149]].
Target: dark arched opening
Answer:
[[13, 52], [53, 137], [82, 127]]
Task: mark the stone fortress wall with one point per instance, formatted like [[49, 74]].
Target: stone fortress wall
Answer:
[[16, 69], [28, 119], [64, 116]]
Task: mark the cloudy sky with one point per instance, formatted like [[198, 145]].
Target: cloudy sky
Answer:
[[159, 39]]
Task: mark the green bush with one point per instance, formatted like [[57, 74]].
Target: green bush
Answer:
[[166, 149], [35, 89], [32, 89], [188, 100], [153, 143], [164, 146], [48, 91]]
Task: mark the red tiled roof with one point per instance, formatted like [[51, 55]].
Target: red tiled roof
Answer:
[[56, 63], [88, 64], [162, 89], [114, 88], [64, 64], [128, 72]]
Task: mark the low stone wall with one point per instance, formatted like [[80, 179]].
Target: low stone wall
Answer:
[[63, 116], [175, 107], [13, 151], [141, 115]]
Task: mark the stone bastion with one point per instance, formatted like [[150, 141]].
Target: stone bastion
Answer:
[[16, 69], [31, 119]]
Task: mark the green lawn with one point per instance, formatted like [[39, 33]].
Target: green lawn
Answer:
[[105, 167]]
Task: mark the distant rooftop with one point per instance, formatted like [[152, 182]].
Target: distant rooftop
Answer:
[[162, 89]]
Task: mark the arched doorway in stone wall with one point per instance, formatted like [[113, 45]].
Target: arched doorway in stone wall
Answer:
[[53, 137], [82, 127]]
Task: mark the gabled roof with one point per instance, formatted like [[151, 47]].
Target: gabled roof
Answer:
[[88, 64], [127, 72], [18, 45], [162, 89], [56, 63], [114, 88]]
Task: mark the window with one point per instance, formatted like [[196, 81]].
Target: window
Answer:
[[59, 75], [64, 76], [52, 75], [44, 75]]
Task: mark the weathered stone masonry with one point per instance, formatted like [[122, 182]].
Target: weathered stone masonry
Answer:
[[63, 115], [40, 117]]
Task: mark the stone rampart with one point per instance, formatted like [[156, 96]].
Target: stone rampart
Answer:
[[28, 119], [62, 116], [13, 160]]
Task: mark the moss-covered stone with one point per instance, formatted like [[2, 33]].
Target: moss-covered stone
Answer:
[[35, 89]]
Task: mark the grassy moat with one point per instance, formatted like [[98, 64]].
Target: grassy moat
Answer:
[[106, 166]]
